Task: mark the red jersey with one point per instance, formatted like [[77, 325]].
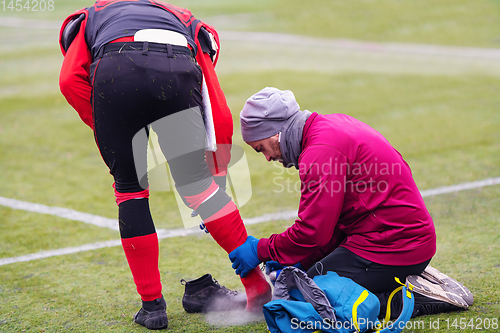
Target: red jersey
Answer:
[[357, 192]]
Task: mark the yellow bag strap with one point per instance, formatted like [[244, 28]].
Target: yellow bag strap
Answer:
[[360, 300], [408, 294], [388, 311], [409, 287], [364, 295]]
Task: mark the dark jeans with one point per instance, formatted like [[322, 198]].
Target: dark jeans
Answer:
[[377, 278]]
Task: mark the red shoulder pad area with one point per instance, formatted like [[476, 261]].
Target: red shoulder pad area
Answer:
[[214, 33], [70, 28]]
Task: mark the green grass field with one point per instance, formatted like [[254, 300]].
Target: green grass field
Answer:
[[441, 112]]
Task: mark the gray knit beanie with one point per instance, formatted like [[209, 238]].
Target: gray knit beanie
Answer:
[[265, 113]]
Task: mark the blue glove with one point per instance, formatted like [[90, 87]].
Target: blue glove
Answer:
[[272, 266], [244, 257], [299, 266]]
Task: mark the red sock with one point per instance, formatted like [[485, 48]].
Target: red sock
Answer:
[[257, 288], [227, 229], [142, 255], [230, 232]]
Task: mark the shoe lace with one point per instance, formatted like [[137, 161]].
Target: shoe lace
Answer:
[[225, 290]]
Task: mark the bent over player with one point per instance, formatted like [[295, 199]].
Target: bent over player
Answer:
[[130, 65]]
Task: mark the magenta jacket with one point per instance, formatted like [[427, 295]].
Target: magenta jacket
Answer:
[[357, 192]]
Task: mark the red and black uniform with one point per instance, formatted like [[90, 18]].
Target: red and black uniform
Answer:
[[121, 88]]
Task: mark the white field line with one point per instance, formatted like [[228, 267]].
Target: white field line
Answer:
[[60, 252], [460, 187], [14, 22], [163, 233], [367, 46], [305, 41], [60, 212]]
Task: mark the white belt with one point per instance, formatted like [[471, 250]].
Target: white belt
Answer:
[[160, 36]]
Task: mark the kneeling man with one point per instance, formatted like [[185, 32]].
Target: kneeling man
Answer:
[[361, 214]]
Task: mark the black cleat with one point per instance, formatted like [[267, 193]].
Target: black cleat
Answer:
[[206, 294], [427, 306], [153, 314]]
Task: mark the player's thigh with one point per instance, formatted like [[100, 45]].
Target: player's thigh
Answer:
[[119, 116]]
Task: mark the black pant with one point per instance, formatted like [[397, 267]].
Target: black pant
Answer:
[[377, 278], [132, 90]]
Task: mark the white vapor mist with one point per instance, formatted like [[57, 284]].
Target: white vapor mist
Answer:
[[233, 318]]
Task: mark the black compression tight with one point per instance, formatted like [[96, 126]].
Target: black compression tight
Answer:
[[377, 278]]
